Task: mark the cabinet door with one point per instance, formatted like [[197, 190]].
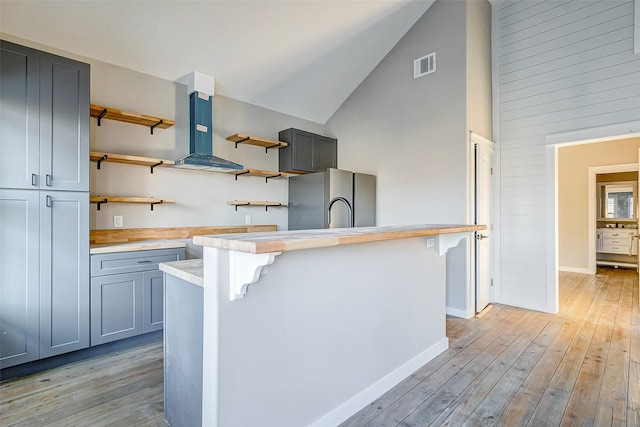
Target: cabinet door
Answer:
[[19, 311], [153, 290], [116, 307], [64, 270], [302, 148], [64, 124], [19, 86], [325, 153]]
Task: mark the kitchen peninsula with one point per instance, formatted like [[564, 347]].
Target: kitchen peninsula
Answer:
[[307, 327]]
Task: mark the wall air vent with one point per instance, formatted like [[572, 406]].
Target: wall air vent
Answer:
[[425, 65]]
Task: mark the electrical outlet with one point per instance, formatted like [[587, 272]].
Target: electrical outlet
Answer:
[[118, 221], [431, 243], [247, 219]]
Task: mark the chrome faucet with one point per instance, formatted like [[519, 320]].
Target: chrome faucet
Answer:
[[346, 202]]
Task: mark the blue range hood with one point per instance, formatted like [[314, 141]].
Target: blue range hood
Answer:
[[201, 138]]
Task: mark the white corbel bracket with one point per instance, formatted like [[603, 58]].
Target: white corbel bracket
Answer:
[[445, 242], [245, 269]]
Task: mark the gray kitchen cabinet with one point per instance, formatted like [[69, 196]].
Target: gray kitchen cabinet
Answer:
[[44, 110], [64, 272], [44, 218], [19, 271], [152, 301], [44, 274], [306, 151], [127, 293], [116, 307]]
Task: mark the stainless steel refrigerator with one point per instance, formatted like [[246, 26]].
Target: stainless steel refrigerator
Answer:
[[351, 196]]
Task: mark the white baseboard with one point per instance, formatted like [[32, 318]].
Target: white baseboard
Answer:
[[456, 312], [377, 389], [576, 270]]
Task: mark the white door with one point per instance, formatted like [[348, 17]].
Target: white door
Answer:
[[483, 150]]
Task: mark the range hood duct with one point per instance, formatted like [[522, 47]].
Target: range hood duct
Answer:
[[201, 138]]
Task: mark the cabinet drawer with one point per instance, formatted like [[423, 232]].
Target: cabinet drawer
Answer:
[[131, 262], [616, 249], [616, 241]]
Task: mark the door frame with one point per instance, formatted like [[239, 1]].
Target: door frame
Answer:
[[553, 142], [592, 172], [474, 140]]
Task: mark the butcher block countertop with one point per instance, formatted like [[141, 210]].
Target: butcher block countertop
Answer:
[[189, 270], [136, 246], [281, 241], [127, 235]]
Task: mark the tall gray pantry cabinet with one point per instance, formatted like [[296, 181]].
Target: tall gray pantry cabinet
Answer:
[[44, 205]]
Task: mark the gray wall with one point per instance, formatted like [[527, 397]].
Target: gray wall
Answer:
[[412, 133], [560, 67]]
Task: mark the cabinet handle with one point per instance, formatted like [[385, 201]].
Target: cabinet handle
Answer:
[[49, 201], [34, 179], [145, 262], [47, 180]]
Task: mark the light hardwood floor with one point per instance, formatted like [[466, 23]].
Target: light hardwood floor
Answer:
[[512, 367]]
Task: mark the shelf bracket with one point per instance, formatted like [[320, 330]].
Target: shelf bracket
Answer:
[[266, 149], [153, 166], [104, 113], [156, 203], [241, 141], [244, 204], [157, 124], [267, 178], [241, 173], [104, 158], [266, 207], [101, 203]]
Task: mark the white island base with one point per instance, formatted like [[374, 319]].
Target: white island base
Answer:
[[327, 330]]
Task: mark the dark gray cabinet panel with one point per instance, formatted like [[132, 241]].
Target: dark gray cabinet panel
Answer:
[[127, 293], [116, 307], [19, 112], [44, 112], [19, 270], [306, 152], [326, 155], [64, 272]]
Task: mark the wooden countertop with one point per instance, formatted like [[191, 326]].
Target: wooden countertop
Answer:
[[189, 270], [281, 241], [126, 235], [136, 246]]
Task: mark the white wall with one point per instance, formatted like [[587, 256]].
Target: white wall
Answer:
[[412, 133], [560, 67]]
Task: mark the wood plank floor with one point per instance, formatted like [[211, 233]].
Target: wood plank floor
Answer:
[[512, 367], [515, 367]]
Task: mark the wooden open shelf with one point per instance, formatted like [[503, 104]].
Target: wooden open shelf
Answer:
[[239, 138], [265, 203], [152, 122], [99, 157], [152, 201], [261, 173]]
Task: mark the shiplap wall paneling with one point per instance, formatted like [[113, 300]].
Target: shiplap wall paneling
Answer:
[[562, 66]]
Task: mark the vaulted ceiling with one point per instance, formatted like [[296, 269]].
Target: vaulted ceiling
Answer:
[[300, 57]]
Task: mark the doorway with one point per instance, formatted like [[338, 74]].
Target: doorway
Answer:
[[553, 144]]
